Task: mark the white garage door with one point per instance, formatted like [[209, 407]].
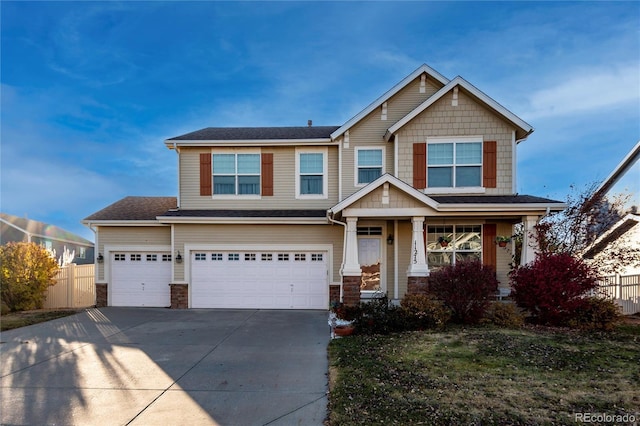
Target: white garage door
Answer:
[[140, 279], [259, 280]]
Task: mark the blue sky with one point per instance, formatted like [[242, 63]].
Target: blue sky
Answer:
[[90, 90]]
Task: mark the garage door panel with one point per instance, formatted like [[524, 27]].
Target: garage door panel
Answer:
[[140, 279], [266, 280]]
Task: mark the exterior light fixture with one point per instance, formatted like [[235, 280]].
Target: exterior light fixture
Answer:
[[100, 258], [178, 257], [390, 239]]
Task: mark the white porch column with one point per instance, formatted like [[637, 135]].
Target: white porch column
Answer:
[[529, 243], [418, 265], [351, 265]]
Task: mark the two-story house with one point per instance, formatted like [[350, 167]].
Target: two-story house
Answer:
[[291, 217]]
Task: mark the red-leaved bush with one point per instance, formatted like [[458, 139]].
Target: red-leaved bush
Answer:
[[466, 288], [552, 287]]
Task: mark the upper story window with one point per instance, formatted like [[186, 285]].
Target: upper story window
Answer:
[[454, 163], [368, 164], [236, 174], [311, 173]]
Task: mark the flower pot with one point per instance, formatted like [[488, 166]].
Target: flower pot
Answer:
[[444, 243], [502, 243], [343, 330]]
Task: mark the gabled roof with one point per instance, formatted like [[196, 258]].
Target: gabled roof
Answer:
[[39, 229], [134, 209], [385, 178], [524, 128], [616, 231], [456, 203], [258, 135], [386, 96], [620, 170]]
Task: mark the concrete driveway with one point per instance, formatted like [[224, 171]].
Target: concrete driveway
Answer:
[[153, 366]]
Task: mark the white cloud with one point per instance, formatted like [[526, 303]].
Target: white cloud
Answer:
[[587, 90]]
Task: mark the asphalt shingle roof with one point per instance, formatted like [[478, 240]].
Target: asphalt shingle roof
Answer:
[[135, 208], [491, 199], [257, 133]]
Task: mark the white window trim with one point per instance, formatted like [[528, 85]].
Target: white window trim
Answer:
[[236, 196], [355, 163], [325, 173], [456, 189]]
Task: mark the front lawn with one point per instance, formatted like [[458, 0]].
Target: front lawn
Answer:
[[483, 375]]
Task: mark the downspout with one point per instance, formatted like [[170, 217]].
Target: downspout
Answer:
[[344, 246]]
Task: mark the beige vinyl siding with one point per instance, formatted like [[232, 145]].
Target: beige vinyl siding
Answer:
[[129, 236], [369, 132], [403, 240], [504, 255], [284, 177], [469, 118], [238, 235]]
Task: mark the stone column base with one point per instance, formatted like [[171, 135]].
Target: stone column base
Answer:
[[101, 295], [351, 290], [179, 296], [417, 285]]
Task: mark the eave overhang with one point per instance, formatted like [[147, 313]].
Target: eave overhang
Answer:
[[616, 231], [173, 144]]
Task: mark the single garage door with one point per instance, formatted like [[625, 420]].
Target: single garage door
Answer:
[[259, 280], [140, 279]]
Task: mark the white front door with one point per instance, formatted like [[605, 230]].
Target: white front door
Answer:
[[370, 259]]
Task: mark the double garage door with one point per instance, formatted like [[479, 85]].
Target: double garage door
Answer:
[[259, 279], [224, 279]]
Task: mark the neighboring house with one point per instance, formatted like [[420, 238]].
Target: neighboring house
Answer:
[[293, 217], [18, 229], [625, 178]]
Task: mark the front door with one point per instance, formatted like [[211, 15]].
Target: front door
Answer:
[[369, 257]]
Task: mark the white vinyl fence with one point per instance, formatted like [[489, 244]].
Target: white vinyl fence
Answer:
[[624, 290], [75, 288]]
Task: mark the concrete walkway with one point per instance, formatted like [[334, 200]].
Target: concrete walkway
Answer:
[[153, 366]]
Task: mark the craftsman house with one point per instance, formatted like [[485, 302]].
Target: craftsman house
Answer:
[[291, 217]]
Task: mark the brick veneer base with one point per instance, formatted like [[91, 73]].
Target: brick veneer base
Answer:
[[101, 295], [334, 293], [351, 290], [417, 285], [179, 296]]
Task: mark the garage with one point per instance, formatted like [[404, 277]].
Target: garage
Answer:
[[259, 279], [140, 279]]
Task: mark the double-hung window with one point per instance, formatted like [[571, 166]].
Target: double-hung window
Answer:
[[369, 164], [311, 173], [236, 174], [454, 163]]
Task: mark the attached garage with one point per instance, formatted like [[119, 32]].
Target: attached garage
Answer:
[[259, 279], [140, 279]]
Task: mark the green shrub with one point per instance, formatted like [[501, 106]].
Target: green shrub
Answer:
[[424, 312], [378, 316], [503, 315], [595, 313], [27, 270]]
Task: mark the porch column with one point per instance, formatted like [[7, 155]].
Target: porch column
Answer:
[[418, 266], [529, 243], [351, 272]]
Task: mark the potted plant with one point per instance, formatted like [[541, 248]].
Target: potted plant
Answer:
[[341, 320], [503, 240], [444, 241]]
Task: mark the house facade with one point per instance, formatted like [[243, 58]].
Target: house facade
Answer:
[[293, 217], [57, 240]]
